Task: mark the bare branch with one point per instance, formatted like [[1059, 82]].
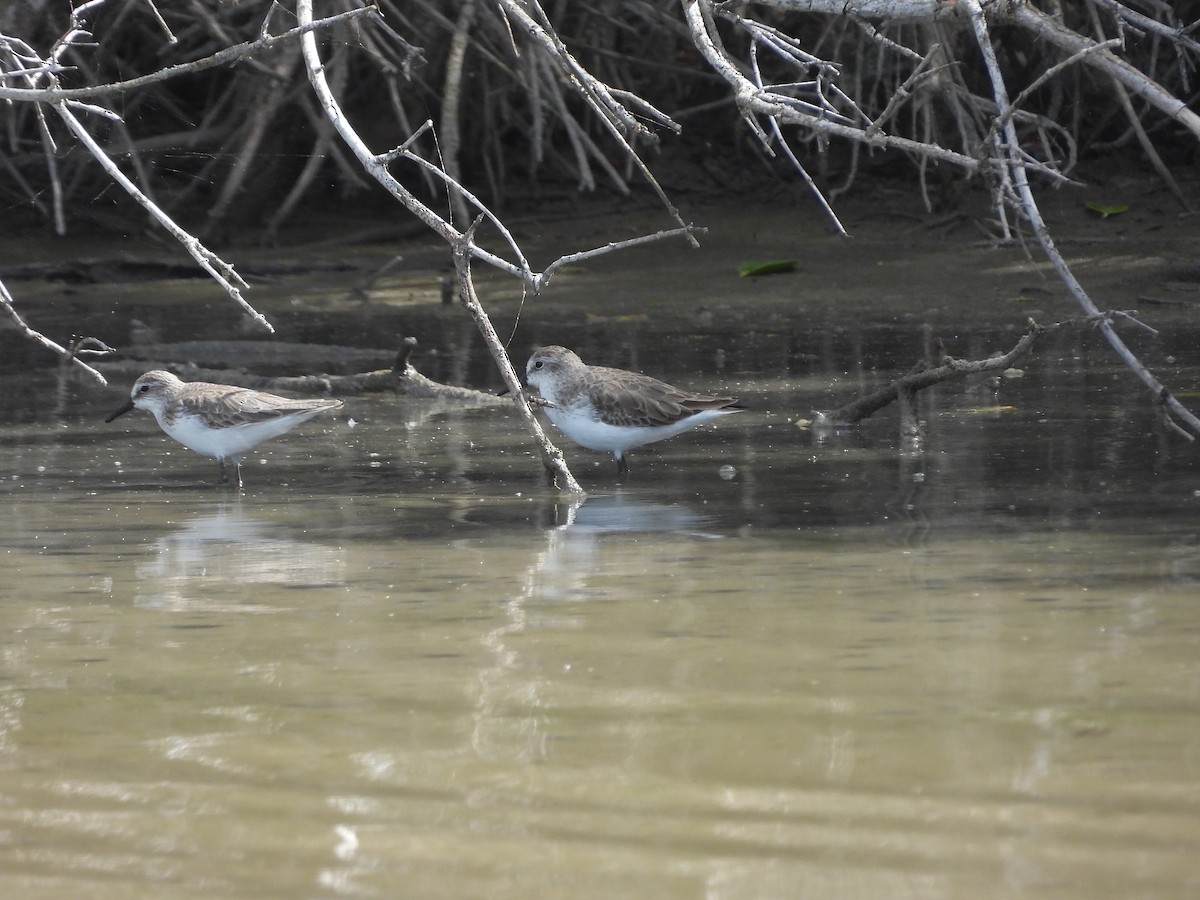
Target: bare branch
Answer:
[[948, 368], [621, 125], [222, 272], [612, 247], [552, 457], [222, 58], [753, 102], [1031, 212], [462, 244], [1048, 28], [72, 356]]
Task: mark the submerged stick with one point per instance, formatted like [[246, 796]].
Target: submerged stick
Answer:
[[948, 368]]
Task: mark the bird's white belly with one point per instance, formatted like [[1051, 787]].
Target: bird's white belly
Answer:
[[593, 434], [230, 441]]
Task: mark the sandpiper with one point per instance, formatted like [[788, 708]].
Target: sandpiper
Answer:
[[218, 420], [610, 409]]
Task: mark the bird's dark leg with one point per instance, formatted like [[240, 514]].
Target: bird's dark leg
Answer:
[[224, 473], [622, 465], [237, 467]]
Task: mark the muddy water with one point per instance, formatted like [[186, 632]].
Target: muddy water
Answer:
[[400, 665]]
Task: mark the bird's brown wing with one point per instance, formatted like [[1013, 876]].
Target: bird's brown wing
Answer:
[[239, 406], [627, 398]]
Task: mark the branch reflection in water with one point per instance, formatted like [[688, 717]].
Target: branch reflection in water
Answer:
[[508, 722]]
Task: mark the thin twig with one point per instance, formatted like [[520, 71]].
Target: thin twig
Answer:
[[222, 58], [9, 306]]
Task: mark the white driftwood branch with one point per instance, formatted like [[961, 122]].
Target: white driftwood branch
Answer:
[[1001, 155], [622, 126], [552, 458], [462, 245], [222, 272], [598, 94], [225, 57], [753, 101], [65, 108], [1138, 83]]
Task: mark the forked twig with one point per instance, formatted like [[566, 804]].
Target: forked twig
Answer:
[[67, 355]]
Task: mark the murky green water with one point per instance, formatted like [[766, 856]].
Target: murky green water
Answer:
[[400, 665]]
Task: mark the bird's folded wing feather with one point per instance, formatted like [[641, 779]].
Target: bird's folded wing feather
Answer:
[[635, 399], [239, 406]]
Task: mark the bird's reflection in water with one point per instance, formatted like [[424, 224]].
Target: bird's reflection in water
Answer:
[[225, 559], [562, 571], [515, 691], [619, 512]]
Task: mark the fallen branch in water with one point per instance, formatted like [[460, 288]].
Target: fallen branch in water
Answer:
[[948, 368], [402, 378]]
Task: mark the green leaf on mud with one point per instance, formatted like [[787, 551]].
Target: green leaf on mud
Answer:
[[753, 270], [1107, 209], [987, 410]]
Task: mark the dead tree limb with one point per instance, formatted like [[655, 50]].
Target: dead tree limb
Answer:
[[402, 378], [926, 374], [989, 143], [1018, 177], [39, 82], [462, 244], [552, 458], [948, 368]]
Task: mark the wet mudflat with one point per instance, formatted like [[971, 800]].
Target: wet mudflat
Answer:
[[399, 664]]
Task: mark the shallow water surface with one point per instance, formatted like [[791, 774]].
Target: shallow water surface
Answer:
[[774, 662], [401, 665]]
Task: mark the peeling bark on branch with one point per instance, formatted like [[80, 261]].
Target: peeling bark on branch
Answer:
[[894, 11]]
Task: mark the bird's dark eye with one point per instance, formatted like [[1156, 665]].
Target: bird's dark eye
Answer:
[[538, 364], [143, 388]]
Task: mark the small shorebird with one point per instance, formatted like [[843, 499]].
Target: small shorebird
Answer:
[[218, 420], [610, 409]]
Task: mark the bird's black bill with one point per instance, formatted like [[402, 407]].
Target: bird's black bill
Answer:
[[502, 393], [120, 412]]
